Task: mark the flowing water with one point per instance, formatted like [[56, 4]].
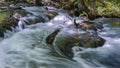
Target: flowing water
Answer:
[[28, 49]]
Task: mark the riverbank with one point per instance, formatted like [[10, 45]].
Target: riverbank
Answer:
[[107, 8], [110, 9]]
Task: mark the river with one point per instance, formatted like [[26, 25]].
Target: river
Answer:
[[28, 49]]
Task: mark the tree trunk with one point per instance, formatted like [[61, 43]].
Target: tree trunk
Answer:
[[93, 9], [89, 7], [38, 2], [82, 6]]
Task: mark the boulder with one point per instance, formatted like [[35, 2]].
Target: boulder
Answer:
[[64, 40], [50, 15], [88, 25]]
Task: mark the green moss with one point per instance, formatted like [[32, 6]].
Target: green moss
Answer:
[[6, 21], [110, 9], [4, 14]]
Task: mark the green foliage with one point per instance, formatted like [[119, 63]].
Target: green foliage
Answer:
[[83, 14], [111, 8], [76, 3], [2, 15], [5, 21]]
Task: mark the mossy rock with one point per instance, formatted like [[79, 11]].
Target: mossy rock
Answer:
[[6, 24], [65, 42], [7, 20]]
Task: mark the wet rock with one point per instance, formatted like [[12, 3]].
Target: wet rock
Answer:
[[52, 36], [10, 7], [18, 5], [13, 6], [65, 41], [21, 12], [1, 33], [50, 8], [23, 21], [89, 25], [22, 5], [86, 25], [4, 8], [50, 15]]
